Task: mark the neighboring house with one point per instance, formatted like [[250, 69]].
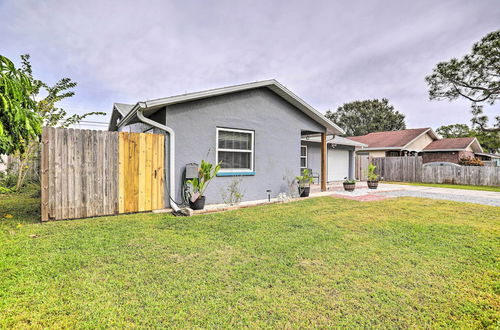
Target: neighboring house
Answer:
[[406, 142], [451, 150], [422, 142], [340, 160], [254, 129]]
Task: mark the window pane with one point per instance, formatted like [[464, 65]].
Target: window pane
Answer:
[[303, 151], [235, 140], [303, 162], [235, 159]]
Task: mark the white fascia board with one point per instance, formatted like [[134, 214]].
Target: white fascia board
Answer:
[[271, 84]]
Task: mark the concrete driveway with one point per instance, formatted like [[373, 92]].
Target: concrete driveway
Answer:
[[398, 190]]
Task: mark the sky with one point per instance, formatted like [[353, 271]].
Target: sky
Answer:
[[327, 52]]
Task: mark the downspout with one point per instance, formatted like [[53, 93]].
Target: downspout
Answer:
[[171, 149]]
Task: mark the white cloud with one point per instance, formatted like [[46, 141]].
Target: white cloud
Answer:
[[327, 52]]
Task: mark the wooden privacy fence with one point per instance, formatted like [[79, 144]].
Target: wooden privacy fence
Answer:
[[412, 169], [471, 175], [86, 173], [362, 162], [404, 169]]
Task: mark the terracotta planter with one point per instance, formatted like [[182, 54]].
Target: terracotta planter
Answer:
[[349, 186], [372, 184], [304, 191], [199, 204]]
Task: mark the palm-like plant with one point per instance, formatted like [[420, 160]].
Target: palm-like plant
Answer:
[[197, 186]]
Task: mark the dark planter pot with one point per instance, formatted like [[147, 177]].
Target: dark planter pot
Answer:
[[199, 204], [349, 186], [372, 184], [304, 191]]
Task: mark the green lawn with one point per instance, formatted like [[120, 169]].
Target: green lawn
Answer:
[[320, 262], [454, 186]]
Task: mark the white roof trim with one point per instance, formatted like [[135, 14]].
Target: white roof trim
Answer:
[[272, 84], [336, 140]]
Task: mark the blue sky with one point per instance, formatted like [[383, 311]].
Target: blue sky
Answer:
[[327, 52]]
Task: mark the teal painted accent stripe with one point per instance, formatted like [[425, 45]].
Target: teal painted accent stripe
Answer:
[[235, 173]]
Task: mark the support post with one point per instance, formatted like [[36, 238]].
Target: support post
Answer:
[[323, 161]]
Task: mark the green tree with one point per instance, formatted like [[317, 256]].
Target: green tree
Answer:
[[363, 117], [476, 76], [455, 131], [19, 122], [45, 109], [489, 140]]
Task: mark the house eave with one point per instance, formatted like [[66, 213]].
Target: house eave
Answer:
[[151, 105]]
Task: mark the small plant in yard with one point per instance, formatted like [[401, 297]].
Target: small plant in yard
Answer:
[[283, 197], [197, 186], [372, 177], [304, 181], [349, 184], [232, 194], [291, 185]]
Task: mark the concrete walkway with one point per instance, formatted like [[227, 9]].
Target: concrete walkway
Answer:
[[398, 190]]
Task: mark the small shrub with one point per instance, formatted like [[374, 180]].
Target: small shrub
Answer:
[[5, 190], [372, 176], [8, 179], [349, 181], [291, 185], [232, 195], [470, 161]]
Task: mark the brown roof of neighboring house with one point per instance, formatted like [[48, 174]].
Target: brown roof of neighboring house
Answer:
[[390, 139], [450, 144]]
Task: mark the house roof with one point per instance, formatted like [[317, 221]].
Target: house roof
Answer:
[[336, 140], [451, 144], [488, 154], [120, 110], [392, 139], [151, 106]]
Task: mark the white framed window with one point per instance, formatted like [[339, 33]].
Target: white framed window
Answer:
[[303, 157], [235, 150]]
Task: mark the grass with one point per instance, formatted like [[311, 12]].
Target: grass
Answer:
[[454, 186], [320, 262]]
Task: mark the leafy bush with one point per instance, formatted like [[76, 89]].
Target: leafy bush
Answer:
[[305, 179], [197, 186], [372, 176], [470, 161], [4, 190], [8, 179]]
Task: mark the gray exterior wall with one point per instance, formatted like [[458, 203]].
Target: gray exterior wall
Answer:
[[277, 126], [314, 156]]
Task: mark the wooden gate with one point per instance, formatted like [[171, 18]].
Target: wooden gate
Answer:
[[86, 173], [141, 172]]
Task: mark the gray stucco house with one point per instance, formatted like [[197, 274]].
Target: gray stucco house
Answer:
[[255, 129]]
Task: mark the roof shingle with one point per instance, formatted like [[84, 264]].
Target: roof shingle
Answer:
[[450, 144], [390, 139]]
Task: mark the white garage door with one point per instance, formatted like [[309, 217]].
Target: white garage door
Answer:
[[338, 164]]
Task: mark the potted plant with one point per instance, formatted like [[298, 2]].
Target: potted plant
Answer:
[[197, 186], [304, 182], [349, 184], [372, 177]]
